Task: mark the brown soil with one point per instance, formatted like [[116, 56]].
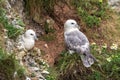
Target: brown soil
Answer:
[[55, 47], [100, 35]]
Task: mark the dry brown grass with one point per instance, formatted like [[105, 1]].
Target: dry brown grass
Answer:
[[2, 34], [108, 32]]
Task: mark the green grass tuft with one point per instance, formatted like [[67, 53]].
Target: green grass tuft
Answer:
[[48, 37], [8, 66], [53, 74], [48, 29], [91, 11], [70, 67], [12, 31]]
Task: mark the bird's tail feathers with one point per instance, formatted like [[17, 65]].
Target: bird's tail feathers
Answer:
[[87, 59]]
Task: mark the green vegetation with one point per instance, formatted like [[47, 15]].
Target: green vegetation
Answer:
[[70, 67], [48, 29], [109, 57], [20, 72], [20, 22], [49, 33], [53, 74], [48, 37], [92, 12], [8, 66], [45, 6], [12, 31], [107, 67]]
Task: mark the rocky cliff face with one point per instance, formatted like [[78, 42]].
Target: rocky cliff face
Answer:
[[115, 4], [13, 16], [43, 16], [3, 36]]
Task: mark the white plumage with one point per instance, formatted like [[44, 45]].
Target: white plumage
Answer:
[[27, 40], [77, 42]]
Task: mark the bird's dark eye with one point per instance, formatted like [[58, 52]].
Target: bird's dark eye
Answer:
[[31, 34], [72, 23]]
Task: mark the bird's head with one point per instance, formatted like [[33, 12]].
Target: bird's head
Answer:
[[70, 24], [30, 34]]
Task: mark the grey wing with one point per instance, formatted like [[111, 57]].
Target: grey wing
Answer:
[[75, 41], [79, 43]]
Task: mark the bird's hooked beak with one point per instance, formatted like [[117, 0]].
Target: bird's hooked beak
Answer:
[[77, 26], [35, 37]]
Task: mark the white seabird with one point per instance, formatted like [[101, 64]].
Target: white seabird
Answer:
[[29, 39], [77, 42]]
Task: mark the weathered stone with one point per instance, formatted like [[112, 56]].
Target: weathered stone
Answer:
[[28, 59], [115, 4]]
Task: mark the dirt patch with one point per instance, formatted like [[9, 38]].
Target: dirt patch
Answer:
[[53, 48], [62, 12], [56, 46]]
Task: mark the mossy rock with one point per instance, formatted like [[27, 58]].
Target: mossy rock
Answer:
[[2, 35], [8, 66]]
